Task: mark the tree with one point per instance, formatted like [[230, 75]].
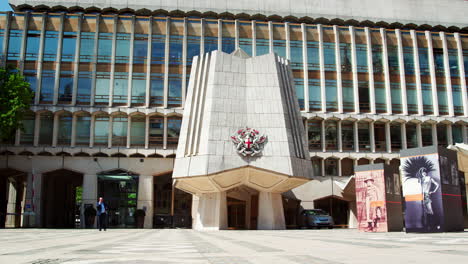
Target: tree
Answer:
[[15, 100]]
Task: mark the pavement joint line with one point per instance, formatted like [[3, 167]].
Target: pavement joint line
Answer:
[[309, 259]]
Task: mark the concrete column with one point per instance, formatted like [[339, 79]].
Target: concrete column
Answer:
[[323, 95], [270, 211], [322, 165], [340, 137], [322, 137], [372, 136], [166, 63], [91, 131], [370, 70], [165, 133], [417, 72], [220, 34], [6, 38], [254, 39], [27, 16], [76, 60], [130, 64], [148, 64], [401, 66], [461, 67], [145, 198], [55, 130], [110, 131], [305, 67], [17, 137], [211, 212], [435, 101], [11, 205], [270, 35], [73, 132], [37, 127], [184, 63], [419, 135], [448, 79], [388, 93], [356, 136], [202, 36], [58, 60], [388, 138], [147, 131], [93, 74], [354, 68], [112, 69], [89, 196], [129, 131], [288, 40], [40, 57], [449, 134], [236, 34], [404, 144], [339, 167], [434, 134], [339, 83]]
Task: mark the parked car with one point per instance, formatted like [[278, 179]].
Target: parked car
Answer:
[[316, 218]]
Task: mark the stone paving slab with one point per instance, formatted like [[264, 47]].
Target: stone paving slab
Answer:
[[179, 246]]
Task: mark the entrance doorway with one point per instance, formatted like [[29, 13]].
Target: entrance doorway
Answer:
[[172, 207], [120, 192], [236, 210], [3, 200], [337, 208], [60, 200]]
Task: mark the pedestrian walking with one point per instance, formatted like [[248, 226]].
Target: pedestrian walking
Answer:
[[102, 214]]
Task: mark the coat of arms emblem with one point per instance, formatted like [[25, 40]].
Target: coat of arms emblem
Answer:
[[248, 141]]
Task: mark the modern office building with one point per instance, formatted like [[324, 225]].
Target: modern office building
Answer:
[[111, 79]]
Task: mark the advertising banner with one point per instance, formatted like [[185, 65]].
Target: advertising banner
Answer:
[[422, 193], [370, 200]]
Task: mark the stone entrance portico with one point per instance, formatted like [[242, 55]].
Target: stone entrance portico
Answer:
[[228, 93]]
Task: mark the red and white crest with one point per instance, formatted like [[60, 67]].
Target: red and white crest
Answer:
[[248, 141]]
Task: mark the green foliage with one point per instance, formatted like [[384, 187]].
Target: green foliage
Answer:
[[15, 99]]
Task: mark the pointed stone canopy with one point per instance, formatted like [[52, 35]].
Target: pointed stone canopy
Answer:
[[226, 93]]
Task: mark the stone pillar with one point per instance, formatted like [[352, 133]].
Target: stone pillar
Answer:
[[435, 100], [388, 93], [11, 206], [145, 198], [417, 72], [435, 141], [404, 144], [449, 135], [148, 65], [305, 66], [211, 212], [354, 69], [461, 68], [323, 96], [401, 66], [339, 84], [112, 67], [388, 138], [340, 137], [89, 195], [270, 211], [419, 135], [372, 136], [322, 136], [356, 136], [370, 69]]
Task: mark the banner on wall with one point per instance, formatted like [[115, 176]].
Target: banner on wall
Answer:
[[370, 199], [422, 192]]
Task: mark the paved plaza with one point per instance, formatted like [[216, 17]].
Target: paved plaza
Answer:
[[228, 247]]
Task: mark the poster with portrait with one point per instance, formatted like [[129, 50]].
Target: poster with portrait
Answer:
[[370, 199], [422, 192]]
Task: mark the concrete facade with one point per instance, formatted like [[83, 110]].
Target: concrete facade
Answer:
[[403, 11]]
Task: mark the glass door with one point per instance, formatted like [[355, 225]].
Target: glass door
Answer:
[[120, 194]]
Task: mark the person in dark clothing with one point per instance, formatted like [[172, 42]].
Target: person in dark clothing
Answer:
[[102, 214]]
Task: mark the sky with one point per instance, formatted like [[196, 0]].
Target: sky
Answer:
[[4, 6]]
